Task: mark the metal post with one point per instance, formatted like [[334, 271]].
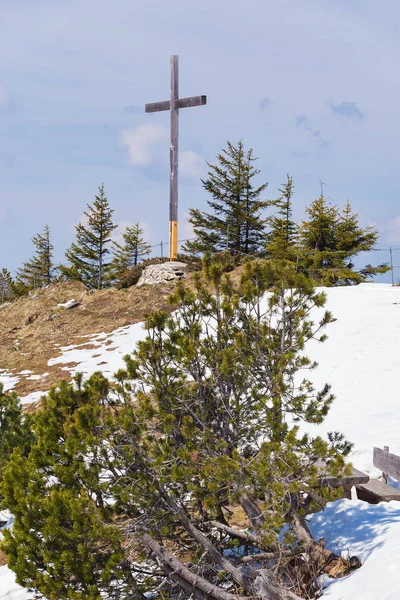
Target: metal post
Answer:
[[391, 265], [173, 198], [162, 254]]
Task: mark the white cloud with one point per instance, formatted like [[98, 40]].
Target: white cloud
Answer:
[[394, 231], [142, 141], [122, 225], [3, 214], [191, 165], [83, 220]]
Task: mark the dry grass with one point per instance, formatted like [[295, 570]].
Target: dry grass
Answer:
[[3, 558], [32, 328]]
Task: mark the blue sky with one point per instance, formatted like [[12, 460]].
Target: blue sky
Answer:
[[311, 85]]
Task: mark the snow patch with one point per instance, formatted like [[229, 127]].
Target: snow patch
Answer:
[[107, 354], [8, 380]]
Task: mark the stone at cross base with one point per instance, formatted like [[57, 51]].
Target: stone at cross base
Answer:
[[163, 273]]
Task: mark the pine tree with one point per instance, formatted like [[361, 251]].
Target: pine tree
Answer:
[[218, 426], [39, 270], [87, 256], [131, 252], [15, 432], [282, 236], [64, 542], [7, 286], [235, 223], [129, 492]]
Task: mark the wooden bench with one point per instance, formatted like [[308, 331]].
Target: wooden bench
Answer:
[[346, 482], [375, 491]]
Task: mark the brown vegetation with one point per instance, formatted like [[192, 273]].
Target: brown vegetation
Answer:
[[33, 328]]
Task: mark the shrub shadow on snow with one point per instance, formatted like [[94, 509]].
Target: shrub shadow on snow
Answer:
[[354, 527], [393, 483]]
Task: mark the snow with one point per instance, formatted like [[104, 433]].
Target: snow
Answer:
[[8, 380], [106, 355], [32, 397], [69, 304], [362, 362], [9, 589], [371, 532]]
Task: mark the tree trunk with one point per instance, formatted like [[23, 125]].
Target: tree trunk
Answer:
[[265, 590], [316, 550], [252, 510], [196, 534]]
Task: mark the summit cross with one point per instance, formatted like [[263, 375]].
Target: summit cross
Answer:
[[173, 105]]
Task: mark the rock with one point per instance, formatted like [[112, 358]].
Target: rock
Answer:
[[163, 273], [69, 304]]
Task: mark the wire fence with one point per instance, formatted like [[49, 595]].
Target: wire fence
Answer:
[[163, 246], [378, 256]]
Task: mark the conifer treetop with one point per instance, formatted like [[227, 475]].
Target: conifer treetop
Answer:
[[236, 222], [88, 255], [39, 270]]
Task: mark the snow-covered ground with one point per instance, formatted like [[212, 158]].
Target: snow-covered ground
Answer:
[[361, 360], [371, 532]]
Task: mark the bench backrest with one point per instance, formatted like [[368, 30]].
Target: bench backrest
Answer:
[[387, 462]]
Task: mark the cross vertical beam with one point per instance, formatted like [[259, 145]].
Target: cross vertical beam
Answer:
[[174, 105], [174, 149]]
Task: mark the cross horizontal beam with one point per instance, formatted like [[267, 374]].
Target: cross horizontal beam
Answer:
[[179, 103]]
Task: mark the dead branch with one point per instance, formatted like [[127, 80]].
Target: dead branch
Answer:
[[181, 574]]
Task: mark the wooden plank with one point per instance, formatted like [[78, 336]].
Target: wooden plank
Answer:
[[157, 106], [192, 101], [376, 491], [387, 463], [346, 481], [179, 103]]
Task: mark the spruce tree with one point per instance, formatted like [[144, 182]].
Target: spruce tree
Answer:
[[7, 286], [133, 250], [88, 255], [331, 239], [39, 270], [282, 236], [236, 221]]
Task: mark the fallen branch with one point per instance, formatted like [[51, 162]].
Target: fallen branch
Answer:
[[196, 534], [190, 581]]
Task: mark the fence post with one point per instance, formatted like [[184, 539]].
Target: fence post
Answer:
[[384, 475], [391, 265], [161, 244]]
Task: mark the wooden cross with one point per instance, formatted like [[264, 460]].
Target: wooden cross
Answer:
[[174, 105]]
